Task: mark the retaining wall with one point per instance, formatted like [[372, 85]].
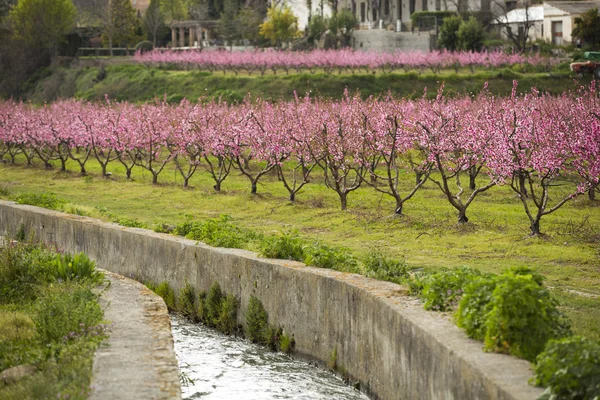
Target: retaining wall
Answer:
[[382, 338]]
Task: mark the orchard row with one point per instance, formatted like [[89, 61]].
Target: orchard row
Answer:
[[340, 60], [464, 145]]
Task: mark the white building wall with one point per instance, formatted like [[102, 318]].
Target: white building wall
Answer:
[[553, 14]]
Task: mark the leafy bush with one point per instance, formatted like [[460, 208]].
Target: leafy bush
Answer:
[[323, 256], [79, 266], [475, 306], [448, 37], [256, 320], [65, 311], [166, 292], [470, 35], [45, 200], [286, 247], [570, 369], [443, 290], [522, 317], [187, 303], [380, 267], [164, 228], [218, 232], [23, 267], [227, 322]]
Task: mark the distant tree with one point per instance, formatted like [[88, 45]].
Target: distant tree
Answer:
[[448, 37], [121, 24], [343, 22], [249, 22], [153, 20], [521, 35], [281, 25], [5, 6], [42, 23], [470, 35], [317, 27], [587, 28], [173, 10], [227, 25]]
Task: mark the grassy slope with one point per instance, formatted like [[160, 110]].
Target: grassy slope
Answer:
[[137, 83], [427, 236]]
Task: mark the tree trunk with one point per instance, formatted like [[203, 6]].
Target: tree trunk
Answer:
[[535, 227], [217, 187], [292, 196], [154, 178], [399, 207], [462, 217], [418, 176], [103, 166], [186, 182], [253, 190], [63, 165], [592, 193], [83, 172], [343, 200], [472, 176], [522, 186]]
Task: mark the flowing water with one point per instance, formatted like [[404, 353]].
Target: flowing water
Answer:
[[229, 368]]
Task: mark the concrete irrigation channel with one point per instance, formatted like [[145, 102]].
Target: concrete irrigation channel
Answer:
[[383, 339]]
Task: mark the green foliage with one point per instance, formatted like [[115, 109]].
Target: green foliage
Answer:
[[42, 23], [286, 247], [167, 293], [342, 23], [174, 10], [121, 25], [45, 200], [522, 317], [153, 21], [271, 336], [227, 322], [281, 25], [257, 320], [377, 266], [164, 228], [65, 311], [24, 267], [212, 305], [249, 24], [218, 232], [470, 35], [79, 266], [227, 24], [286, 343], [443, 290], [570, 369], [15, 326], [587, 27], [187, 302], [448, 36], [317, 27], [320, 255], [475, 306]]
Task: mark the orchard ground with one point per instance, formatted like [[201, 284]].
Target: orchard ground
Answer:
[[427, 236]]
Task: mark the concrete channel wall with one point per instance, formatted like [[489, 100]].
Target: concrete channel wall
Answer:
[[382, 338]]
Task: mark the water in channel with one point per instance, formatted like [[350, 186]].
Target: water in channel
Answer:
[[229, 368]]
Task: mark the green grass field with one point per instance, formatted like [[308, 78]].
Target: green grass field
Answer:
[[427, 236]]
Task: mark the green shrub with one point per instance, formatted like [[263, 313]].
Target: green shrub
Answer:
[[45, 200], [256, 320], [323, 256], [286, 247], [286, 343], [213, 305], [475, 306], [79, 266], [187, 303], [570, 369], [218, 232], [166, 292], [66, 311], [271, 336], [227, 322], [442, 291], [522, 317], [201, 310], [23, 267], [164, 228], [380, 267]]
